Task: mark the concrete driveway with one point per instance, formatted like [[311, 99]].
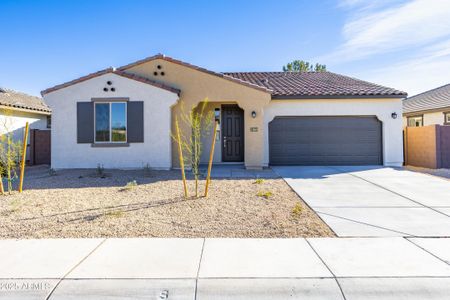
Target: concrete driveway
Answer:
[[374, 201]]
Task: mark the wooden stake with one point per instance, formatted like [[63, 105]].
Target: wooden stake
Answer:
[[211, 156], [2, 190], [180, 155], [24, 154]]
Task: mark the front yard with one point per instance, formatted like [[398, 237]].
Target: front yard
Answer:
[[85, 203]]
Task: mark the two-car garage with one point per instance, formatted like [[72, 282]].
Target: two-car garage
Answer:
[[325, 140]]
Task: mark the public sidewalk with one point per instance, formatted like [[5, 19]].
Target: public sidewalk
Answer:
[[322, 268]]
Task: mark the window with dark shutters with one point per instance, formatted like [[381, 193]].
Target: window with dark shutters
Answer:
[[86, 122]]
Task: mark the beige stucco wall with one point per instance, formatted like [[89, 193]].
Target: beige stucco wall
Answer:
[[196, 85], [435, 118], [381, 108]]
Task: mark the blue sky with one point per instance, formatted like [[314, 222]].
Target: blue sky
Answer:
[[398, 43]]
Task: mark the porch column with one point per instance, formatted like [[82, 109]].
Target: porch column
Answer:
[[254, 137]]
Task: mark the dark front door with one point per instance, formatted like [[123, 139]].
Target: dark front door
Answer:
[[232, 133]]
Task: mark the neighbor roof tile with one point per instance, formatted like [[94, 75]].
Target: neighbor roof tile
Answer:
[[20, 100]]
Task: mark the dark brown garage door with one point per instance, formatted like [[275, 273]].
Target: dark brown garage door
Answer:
[[318, 141]]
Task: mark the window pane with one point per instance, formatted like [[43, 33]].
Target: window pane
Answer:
[[118, 122], [102, 122], [415, 121], [419, 121], [447, 118]]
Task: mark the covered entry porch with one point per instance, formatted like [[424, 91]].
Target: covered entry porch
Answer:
[[239, 131], [230, 132]]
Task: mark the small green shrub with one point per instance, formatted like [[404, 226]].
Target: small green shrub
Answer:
[[265, 195], [114, 214], [147, 170], [100, 171], [52, 172], [297, 210], [130, 185], [14, 206], [259, 181]]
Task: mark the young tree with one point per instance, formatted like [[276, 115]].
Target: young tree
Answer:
[[303, 66], [199, 121], [10, 150]]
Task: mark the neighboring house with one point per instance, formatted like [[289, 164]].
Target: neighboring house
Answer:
[[16, 109], [123, 118], [428, 108]]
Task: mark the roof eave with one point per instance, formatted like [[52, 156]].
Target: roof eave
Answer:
[[26, 109], [117, 72], [444, 109], [292, 97]]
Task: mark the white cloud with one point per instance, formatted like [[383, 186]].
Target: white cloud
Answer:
[[414, 35], [385, 30], [419, 73]]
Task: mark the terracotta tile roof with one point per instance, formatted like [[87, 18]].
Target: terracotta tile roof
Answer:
[[114, 71], [279, 84], [435, 99], [20, 100], [179, 62], [315, 85]]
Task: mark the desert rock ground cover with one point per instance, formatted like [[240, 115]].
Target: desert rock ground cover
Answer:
[[84, 203]]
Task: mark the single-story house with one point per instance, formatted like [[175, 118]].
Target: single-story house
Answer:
[[429, 108], [123, 117]]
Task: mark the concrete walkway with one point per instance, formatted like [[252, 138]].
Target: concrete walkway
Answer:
[[323, 268], [374, 201]]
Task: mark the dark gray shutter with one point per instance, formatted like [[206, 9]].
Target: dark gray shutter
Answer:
[[85, 122], [135, 120]]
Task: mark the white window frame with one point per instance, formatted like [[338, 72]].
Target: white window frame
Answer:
[[447, 118], [110, 119], [414, 117]]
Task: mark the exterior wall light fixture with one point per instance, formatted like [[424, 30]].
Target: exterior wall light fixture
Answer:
[[394, 115], [253, 114]]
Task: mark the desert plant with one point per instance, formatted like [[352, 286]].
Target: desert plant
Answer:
[[100, 171], [130, 185], [297, 210], [147, 170], [14, 206], [199, 121], [266, 194], [114, 213], [52, 172], [10, 150], [259, 181]]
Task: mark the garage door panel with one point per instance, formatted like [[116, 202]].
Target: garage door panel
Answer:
[[325, 141]]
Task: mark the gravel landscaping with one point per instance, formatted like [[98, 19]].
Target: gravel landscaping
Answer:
[[83, 203]]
